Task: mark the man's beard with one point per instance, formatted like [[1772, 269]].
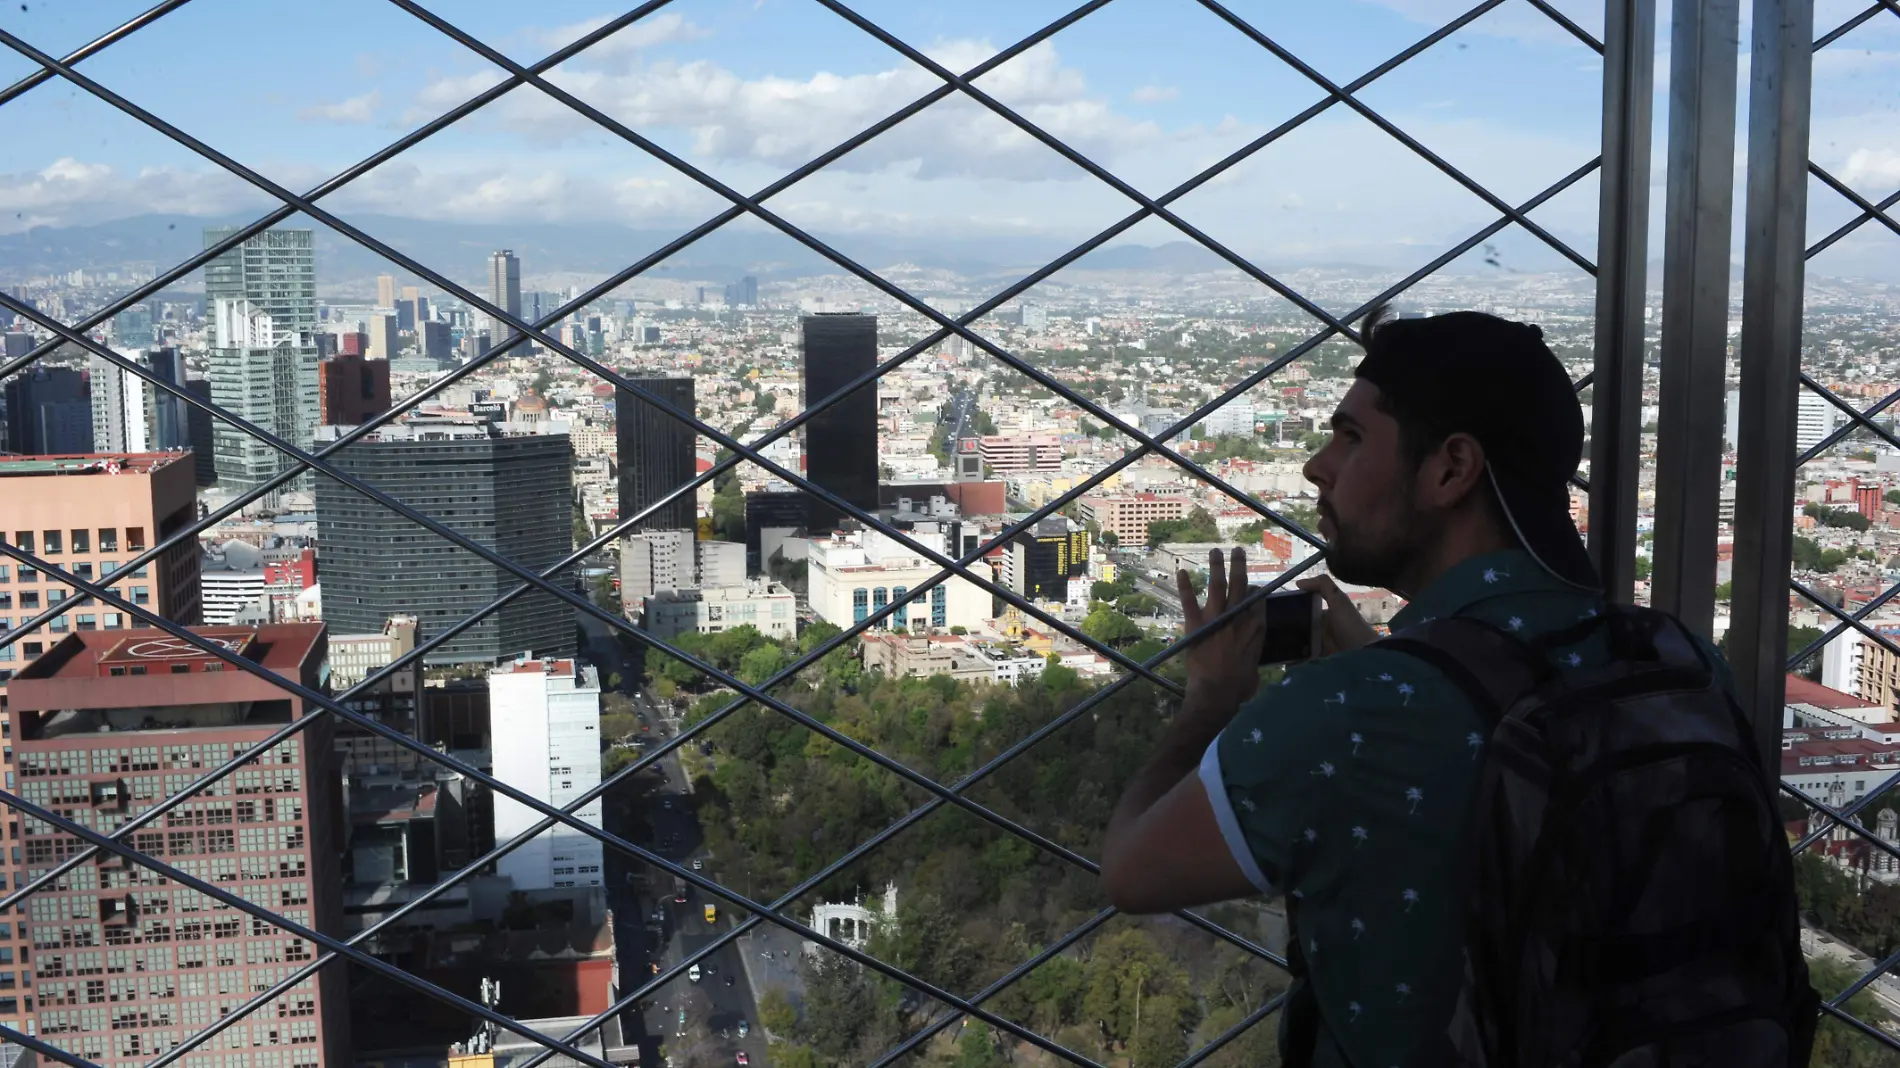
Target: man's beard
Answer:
[[1376, 555]]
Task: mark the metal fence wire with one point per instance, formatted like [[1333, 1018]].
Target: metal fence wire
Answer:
[[297, 459], [1832, 820]]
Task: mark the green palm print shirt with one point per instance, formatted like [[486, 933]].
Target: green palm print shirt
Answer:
[[1348, 787]]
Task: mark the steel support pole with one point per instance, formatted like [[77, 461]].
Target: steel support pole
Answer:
[[1704, 39], [1629, 47], [1781, 65]]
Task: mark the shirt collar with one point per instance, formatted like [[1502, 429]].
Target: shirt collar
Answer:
[[1474, 579]]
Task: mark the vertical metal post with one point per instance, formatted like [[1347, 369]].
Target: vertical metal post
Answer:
[[1704, 38], [1629, 47], [1780, 72]]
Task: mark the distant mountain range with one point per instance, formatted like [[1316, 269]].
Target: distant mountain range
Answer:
[[461, 250]]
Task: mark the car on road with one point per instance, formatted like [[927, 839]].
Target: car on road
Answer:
[[666, 802], [743, 1029], [742, 1059], [693, 973], [712, 914], [698, 865]]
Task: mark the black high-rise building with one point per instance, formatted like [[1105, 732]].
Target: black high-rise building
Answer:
[[48, 412], [656, 453], [508, 492], [767, 508], [840, 441], [204, 458]]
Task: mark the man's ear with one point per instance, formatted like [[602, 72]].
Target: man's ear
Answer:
[[1459, 469]]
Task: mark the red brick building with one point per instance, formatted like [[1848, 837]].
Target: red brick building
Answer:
[[128, 964]]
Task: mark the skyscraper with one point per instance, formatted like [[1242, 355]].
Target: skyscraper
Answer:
[[406, 315], [743, 292], [385, 291], [434, 341], [47, 411], [263, 376], [133, 329], [382, 337], [130, 414], [488, 482], [118, 406], [277, 272], [267, 376], [841, 440], [204, 449], [101, 705], [656, 453], [504, 291]]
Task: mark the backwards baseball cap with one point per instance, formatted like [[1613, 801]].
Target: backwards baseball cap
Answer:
[[1497, 381]]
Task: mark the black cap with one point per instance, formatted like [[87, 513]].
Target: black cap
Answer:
[[1497, 381]]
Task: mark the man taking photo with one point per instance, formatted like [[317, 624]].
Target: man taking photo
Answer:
[[1602, 879]]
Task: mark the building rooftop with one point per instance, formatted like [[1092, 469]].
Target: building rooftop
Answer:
[[1805, 692], [142, 672], [88, 463]]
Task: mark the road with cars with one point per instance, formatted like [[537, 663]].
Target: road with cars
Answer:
[[651, 925]]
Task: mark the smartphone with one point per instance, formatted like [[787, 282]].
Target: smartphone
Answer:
[[1293, 627]]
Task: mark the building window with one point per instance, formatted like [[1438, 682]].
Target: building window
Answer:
[[82, 541], [880, 597], [139, 571], [108, 539], [138, 669], [83, 570], [858, 603], [87, 621], [6, 572], [141, 595], [939, 605], [897, 618], [29, 599], [30, 650], [114, 621], [54, 597], [107, 567], [6, 600], [53, 542], [59, 624], [135, 539], [23, 539], [29, 573]]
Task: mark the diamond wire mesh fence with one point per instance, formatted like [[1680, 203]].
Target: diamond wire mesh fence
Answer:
[[1834, 822], [84, 845]]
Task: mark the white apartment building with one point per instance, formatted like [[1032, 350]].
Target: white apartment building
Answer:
[[227, 591], [545, 721], [769, 606], [853, 574], [1814, 420], [656, 560]]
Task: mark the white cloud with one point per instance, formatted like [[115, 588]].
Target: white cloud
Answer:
[[1155, 94], [70, 191], [786, 121], [1878, 168], [357, 110]]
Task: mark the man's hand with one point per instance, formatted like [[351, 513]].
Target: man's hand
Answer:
[[1342, 628], [1224, 665]]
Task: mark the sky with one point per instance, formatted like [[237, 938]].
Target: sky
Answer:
[[746, 90]]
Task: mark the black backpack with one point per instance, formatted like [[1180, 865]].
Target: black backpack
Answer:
[[1630, 895]]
